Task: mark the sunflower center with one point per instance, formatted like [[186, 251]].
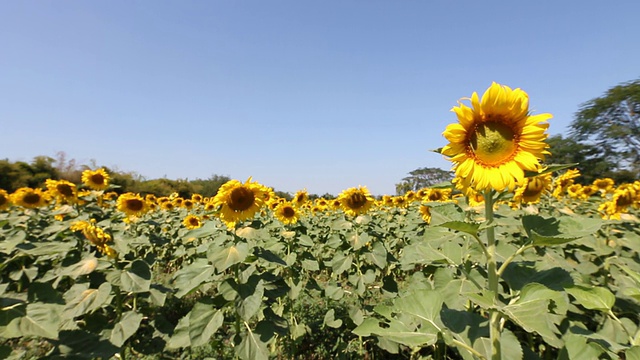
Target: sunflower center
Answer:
[[241, 199], [435, 196], [493, 143], [194, 221], [288, 212], [356, 201], [65, 190], [31, 198], [625, 199], [97, 179], [135, 204], [3, 200]]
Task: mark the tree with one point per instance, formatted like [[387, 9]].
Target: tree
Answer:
[[591, 163], [423, 177], [611, 123]]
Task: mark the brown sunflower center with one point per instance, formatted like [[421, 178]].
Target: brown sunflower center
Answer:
[[135, 204], [288, 212], [534, 187], [97, 179], [435, 196], [31, 198], [241, 199], [194, 221], [3, 199], [65, 190], [625, 199], [493, 143], [356, 201]]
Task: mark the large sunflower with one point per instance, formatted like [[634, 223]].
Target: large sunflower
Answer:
[[62, 190], [96, 180], [496, 139], [238, 201], [29, 198], [356, 201], [287, 213], [132, 204]]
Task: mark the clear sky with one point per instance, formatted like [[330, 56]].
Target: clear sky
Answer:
[[322, 95]]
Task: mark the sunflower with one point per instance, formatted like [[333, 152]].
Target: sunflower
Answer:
[[96, 180], [5, 200], [286, 213], [574, 191], [300, 198], [192, 222], [605, 185], [623, 197], [238, 201], [410, 196], [335, 204], [562, 182], [29, 198], [356, 201], [532, 189], [425, 212], [167, 205], [196, 198], [132, 204], [422, 193], [387, 200], [438, 195], [400, 202], [62, 190], [188, 204], [496, 139], [96, 235]]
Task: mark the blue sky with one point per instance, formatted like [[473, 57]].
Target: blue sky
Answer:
[[322, 95]]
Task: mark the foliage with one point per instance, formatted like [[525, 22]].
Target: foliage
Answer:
[[612, 123], [423, 178], [381, 285]]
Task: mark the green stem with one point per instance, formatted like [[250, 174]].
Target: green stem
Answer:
[[508, 261], [494, 315], [616, 319]]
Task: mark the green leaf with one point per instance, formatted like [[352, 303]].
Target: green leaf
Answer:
[[87, 301], [555, 231], [532, 311], [252, 347], [137, 278], [230, 256], [510, 347], [577, 347], [251, 297], [181, 334], [466, 227], [633, 353], [377, 255], [596, 298], [330, 320], [447, 213], [204, 321], [40, 320], [358, 240], [549, 169], [341, 263], [192, 275], [395, 331], [125, 328], [209, 228]]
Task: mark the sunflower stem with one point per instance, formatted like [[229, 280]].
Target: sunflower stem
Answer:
[[494, 315]]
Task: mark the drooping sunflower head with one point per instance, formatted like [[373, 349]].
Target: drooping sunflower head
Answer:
[[532, 189], [300, 198], [5, 200], [438, 195], [422, 193], [286, 213], [410, 196], [496, 139], [425, 213], [96, 180], [238, 201], [132, 204], [605, 185], [192, 222], [562, 182], [29, 198], [356, 201]]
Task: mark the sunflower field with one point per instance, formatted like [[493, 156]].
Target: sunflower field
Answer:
[[512, 260]]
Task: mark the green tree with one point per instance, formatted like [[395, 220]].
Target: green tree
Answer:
[[421, 178], [611, 123]]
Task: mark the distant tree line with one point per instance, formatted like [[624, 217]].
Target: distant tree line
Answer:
[[14, 175], [603, 139]]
